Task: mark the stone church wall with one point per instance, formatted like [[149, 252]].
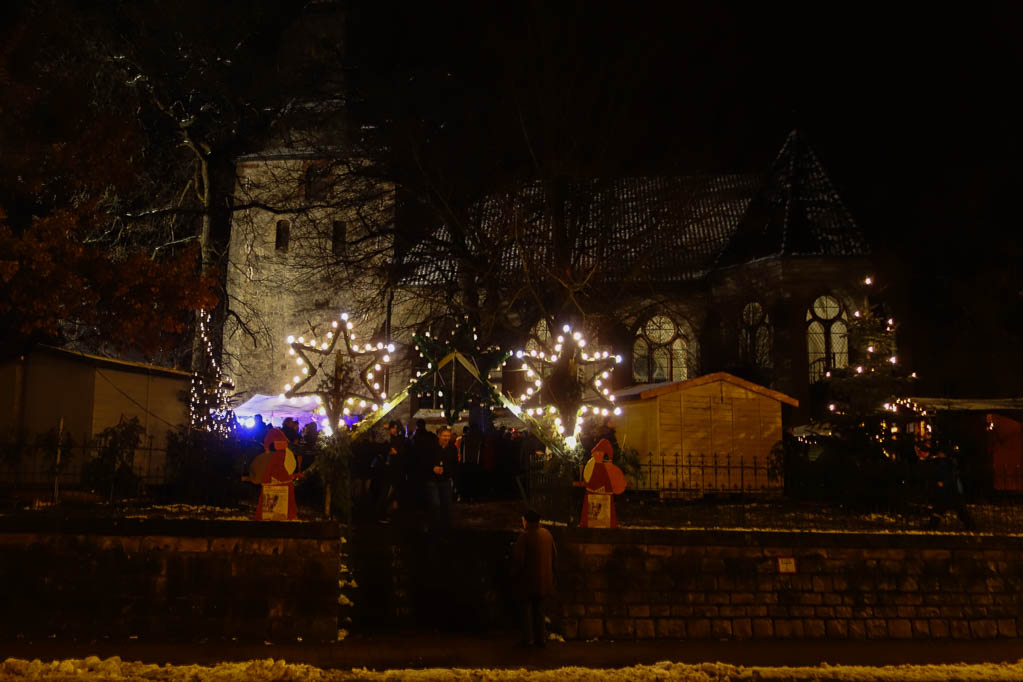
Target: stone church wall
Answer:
[[276, 292]]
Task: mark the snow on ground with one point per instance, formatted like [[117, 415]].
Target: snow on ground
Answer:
[[93, 668]]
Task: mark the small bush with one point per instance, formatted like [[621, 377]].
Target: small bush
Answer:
[[206, 467], [110, 471]]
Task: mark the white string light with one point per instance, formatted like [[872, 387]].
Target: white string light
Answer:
[[322, 360], [538, 362]]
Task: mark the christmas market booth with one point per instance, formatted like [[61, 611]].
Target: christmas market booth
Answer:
[[88, 393], [989, 433], [711, 434], [79, 395]]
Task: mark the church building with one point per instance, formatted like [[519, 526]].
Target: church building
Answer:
[[753, 274]]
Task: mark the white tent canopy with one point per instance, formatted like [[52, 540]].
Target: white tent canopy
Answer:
[[276, 408]]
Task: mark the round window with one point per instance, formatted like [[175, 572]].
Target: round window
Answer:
[[659, 330], [826, 307]]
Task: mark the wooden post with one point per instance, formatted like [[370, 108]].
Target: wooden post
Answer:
[[56, 466]]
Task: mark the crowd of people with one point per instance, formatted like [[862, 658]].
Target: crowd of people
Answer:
[[422, 471], [426, 471]]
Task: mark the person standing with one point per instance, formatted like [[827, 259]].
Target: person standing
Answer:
[[423, 445], [534, 562], [391, 472], [472, 442], [290, 429], [439, 481]]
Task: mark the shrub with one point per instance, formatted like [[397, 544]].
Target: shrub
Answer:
[[206, 467], [110, 470]]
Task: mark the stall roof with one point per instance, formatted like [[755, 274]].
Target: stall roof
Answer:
[[276, 406], [970, 404], [718, 376], [634, 392], [114, 363]]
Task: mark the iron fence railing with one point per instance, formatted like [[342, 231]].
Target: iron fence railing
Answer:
[[696, 475], [547, 484], [151, 465], [708, 491]]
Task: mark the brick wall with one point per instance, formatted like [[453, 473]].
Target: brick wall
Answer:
[[171, 579], [625, 584]]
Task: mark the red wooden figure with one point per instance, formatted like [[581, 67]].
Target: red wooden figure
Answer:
[[603, 481]]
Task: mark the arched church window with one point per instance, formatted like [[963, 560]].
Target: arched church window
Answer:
[[539, 336], [317, 183], [755, 336], [539, 341], [283, 236], [339, 238], [659, 352], [827, 336]]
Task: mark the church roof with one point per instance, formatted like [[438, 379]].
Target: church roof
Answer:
[[797, 212], [659, 230]]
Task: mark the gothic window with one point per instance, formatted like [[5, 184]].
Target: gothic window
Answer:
[[283, 236], [755, 336], [827, 337], [339, 237], [659, 352], [539, 341], [317, 183], [539, 336]]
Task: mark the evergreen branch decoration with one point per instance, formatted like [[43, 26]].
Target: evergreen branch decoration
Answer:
[[461, 346]]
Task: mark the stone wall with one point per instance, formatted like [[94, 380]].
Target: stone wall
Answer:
[[623, 584], [169, 579], [277, 581]]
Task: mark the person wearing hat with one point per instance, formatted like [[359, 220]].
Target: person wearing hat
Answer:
[[534, 561]]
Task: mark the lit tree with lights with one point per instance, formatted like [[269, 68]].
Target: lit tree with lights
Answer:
[[343, 377], [867, 408], [567, 380], [208, 408]]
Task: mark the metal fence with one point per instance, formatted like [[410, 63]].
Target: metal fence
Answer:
[[548, 486], [708, 491], [696, 475], [184, 474], [35, 468]]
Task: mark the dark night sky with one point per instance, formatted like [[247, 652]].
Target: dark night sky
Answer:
[[914, 113]]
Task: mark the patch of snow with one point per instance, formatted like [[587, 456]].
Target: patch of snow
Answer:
[[92, 668]]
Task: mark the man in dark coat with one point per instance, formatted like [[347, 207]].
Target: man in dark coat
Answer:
[[388, 476], [439, 474], [423, 443], [534, 560]]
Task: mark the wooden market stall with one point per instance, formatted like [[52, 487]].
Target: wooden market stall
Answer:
[[81, 395], [709, 434]]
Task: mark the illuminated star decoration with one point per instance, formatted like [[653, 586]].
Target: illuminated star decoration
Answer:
[[555, 388], [349, 373], [464, 341]]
